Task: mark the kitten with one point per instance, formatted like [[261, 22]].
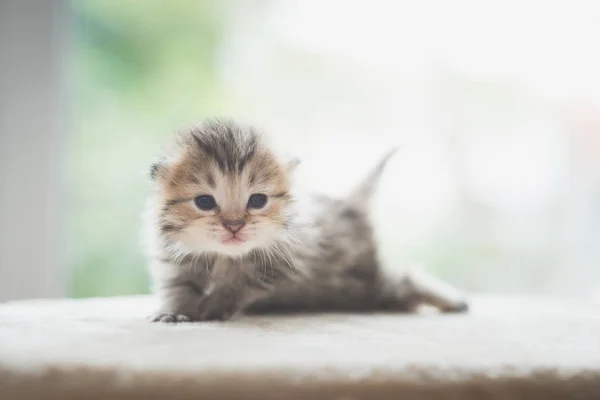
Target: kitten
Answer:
[[227, 234]]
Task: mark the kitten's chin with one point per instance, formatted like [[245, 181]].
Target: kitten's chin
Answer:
[[234, 248], [229, 246]]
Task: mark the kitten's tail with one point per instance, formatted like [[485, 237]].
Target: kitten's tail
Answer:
[[365, 189]]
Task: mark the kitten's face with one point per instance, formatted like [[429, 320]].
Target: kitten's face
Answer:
[[221, 190]]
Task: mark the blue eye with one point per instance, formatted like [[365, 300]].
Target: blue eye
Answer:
[[257, 200], [205, 202]]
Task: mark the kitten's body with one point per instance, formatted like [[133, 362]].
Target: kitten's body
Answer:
[[320, 254]]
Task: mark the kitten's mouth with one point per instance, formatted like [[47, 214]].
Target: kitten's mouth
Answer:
[[233, 240]]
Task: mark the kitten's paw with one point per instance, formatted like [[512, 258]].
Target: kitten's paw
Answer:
[[217, 314], [218, 309], [169, 318], [461, 306]]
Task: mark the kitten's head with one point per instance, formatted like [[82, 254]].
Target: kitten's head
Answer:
[[221, 189]]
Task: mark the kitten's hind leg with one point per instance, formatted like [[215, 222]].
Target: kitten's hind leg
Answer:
[[416, 287]]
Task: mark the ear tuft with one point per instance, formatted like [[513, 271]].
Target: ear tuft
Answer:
[[154, 170]]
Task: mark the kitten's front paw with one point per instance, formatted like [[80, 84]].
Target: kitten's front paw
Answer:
[[218, 309], [217, 315], [170, 318]]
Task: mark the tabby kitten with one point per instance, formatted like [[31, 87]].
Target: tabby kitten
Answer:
[[228, 234]]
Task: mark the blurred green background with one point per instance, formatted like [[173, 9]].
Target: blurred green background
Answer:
[[137, 77]]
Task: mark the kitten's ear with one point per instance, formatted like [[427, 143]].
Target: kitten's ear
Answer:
[[292, 163], [155, 170]]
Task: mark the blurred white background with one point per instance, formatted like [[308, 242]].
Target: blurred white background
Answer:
[[495, 105]]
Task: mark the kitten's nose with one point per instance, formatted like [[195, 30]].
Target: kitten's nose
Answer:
[[233, 226]]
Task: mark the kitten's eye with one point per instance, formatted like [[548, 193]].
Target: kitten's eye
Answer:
[[257, 200], [205, 202]]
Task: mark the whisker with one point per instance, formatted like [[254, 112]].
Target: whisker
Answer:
[[279, 251], [264, 264]]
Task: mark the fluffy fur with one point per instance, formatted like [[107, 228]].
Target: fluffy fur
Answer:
[[298, 252]]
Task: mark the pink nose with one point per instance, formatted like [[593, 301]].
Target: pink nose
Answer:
[[233, 226]]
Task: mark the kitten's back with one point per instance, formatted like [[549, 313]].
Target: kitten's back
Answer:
[[336, 255]]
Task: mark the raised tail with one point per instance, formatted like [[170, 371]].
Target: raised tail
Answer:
[[364, 191]]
